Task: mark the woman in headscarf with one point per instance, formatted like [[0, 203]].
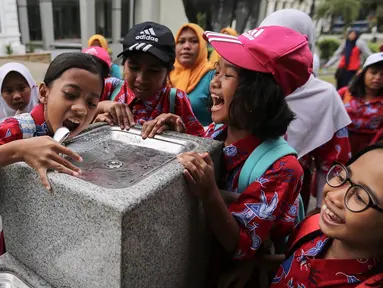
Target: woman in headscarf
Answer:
[[351, 54], [100, 41], [192, 71], [214, 56], [19, 92], [319, 132]]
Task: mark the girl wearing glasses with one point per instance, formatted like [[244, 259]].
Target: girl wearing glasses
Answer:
[[346, 249]]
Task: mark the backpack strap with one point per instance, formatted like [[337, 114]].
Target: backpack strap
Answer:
[[308, 230], [172, 100], [261, 159], [116, 90], [368, 283], [27, 125]]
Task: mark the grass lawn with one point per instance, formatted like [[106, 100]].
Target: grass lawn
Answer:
[[328, 78]]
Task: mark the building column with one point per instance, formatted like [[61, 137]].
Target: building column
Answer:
[[279, 5], [46, 12], [116, 21], [288, 4], [262, 12], [24, 24], [87, 20], [295, 4], [270, 7]]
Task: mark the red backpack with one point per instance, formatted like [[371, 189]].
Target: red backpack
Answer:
[[310, 230]]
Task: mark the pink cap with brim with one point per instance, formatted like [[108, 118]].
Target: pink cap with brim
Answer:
[[278, 50], [100, 53]]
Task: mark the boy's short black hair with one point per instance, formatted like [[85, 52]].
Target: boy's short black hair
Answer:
[[259, 106], [357, 88]]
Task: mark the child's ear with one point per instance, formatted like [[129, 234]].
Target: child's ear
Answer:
[[43, 93]]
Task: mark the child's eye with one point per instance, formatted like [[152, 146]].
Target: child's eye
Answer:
[[8, 91], [21, 88], [133, 68], [70, 96], [91, 104], [228, 75]]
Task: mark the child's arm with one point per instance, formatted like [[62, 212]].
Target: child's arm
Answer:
[[199, 172], [41, 153]]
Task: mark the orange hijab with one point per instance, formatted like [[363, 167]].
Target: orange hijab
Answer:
[[187, 79], [101, 39], [214, 56]]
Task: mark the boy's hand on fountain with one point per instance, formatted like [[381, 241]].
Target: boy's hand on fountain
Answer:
[[162, 123], [104, 117], [42, 153], [199, 173], [119, 112]]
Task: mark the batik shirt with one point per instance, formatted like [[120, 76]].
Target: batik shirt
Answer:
[[305, 269], [269, 205], [24, 126], [117, 90], [337, 149], [366, 117]]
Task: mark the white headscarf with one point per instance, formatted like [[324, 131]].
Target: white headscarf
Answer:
[[5, 110], [317, 105]]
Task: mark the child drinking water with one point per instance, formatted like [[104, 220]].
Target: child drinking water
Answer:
[[254, 74], [341, 246], [146, 93], [69, 95], [19, 92]]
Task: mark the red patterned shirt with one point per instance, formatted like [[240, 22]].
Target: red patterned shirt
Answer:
[[268, 207], [24, 126], [306, 269], [366, 117], [337, 149], [117, 90]]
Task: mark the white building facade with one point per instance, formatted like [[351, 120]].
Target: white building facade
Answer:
[[9, 28], [69, 23]]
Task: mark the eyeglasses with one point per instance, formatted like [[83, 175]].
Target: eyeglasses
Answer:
[[357, 198]]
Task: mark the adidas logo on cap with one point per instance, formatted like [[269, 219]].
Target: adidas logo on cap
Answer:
[[147, 34]]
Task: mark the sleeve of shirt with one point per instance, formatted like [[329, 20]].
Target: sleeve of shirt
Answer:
[[10, 131], [184, 110], [337, 149], [270, 199], [110, 84], [336, 56]]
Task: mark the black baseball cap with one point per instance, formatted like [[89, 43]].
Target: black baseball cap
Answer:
[[152, 38]]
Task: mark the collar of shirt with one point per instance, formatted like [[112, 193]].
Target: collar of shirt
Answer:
[[37, 114], [149, 104], [234, 154]]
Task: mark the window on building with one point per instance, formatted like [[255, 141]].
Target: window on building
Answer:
[[66, 19], [104, 18], [34, 21], [125, 21]]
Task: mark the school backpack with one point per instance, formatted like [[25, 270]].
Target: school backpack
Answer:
[[172, 100], [309, 230], [261, 159]]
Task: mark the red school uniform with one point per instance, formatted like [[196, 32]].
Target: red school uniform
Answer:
[[20, 127], [366, 117], [337, 149], [150, 109], [306, 269], [268, 207]]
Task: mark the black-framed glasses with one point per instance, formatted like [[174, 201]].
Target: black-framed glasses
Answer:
[[358, 197]]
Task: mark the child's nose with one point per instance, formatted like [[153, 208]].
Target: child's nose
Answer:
[[16, 96], [337, 197], [80, 109]]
